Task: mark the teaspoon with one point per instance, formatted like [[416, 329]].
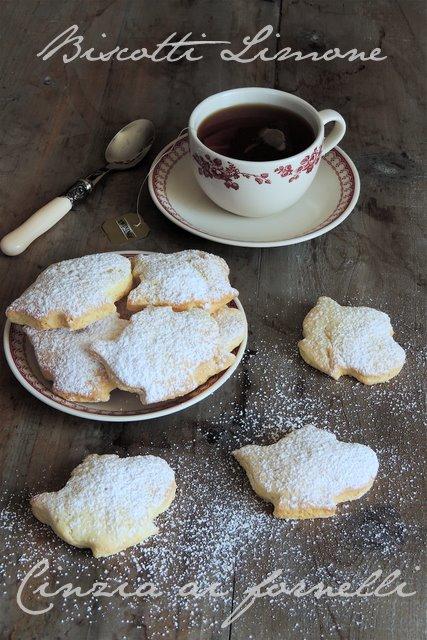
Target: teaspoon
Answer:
[[128, 147]]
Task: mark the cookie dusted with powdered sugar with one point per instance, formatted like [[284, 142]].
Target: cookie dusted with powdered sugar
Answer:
[[232, 327], [308, 472], [64, 358], [73, 293], [354, 341], [163, 354], [109, 503], [182, 280]]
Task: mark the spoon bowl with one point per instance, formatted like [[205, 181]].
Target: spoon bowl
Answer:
[[130, 145]]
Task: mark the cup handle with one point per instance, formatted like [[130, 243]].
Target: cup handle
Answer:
[[337, 133]]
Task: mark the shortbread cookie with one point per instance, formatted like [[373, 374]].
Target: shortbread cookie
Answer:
[[109, 503], [308, 472], [354, 341], [64, 358], [73, 293], [163, 354], [232, 327], [181, 280]]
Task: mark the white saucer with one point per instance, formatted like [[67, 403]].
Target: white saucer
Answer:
[[329, 200], [122, 406]]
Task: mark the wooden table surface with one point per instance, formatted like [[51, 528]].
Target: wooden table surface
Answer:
[[55, 121]]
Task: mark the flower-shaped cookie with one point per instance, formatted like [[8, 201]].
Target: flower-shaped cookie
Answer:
[[182, 280], [73, 293], [355, 341], [163, 354], [308, 472], [64, 358], [109, 503]]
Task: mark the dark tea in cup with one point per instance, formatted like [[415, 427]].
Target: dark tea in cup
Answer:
[[256, 132]]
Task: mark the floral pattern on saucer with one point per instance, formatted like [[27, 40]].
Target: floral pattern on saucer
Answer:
[[193, 211]]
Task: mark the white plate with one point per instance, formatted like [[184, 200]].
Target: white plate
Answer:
[[329, 200], [122, 406]]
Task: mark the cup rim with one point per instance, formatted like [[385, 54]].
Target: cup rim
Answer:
[[193, 132]]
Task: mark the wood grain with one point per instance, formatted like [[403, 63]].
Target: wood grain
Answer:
[[55, 122]]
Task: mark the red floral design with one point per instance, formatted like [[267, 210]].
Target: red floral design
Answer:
[[229, 174], [307, 164], [337, 163], [284, 171]]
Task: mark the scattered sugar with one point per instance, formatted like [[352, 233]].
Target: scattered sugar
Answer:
[[217, 529]]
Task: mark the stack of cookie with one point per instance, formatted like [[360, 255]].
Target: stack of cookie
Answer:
[[180, 330]]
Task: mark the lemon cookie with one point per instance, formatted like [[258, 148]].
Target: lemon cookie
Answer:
[[232, 327], [355, 341], [308, 472], [163, 354], [181, 280], [73, 293], [109, 503], [64, 358]]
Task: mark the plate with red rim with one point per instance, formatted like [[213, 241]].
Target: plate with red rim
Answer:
[[122, 406], [329, 200]]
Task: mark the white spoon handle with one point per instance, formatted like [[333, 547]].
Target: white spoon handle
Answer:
[[17, 241]]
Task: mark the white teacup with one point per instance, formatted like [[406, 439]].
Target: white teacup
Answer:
[[258, 189]]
